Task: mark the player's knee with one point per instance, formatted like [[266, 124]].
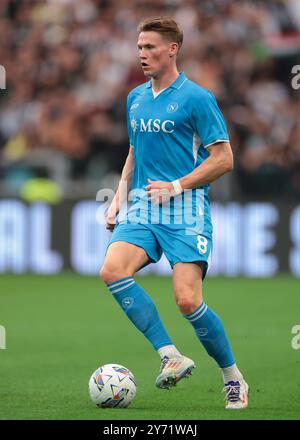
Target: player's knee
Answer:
[[109, 274], [104, 274], [186, 305]]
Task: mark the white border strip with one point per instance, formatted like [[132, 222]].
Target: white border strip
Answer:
[[123, 288], [198, 316], [182, 83], [216, 142], [197, 311], [121, 282]]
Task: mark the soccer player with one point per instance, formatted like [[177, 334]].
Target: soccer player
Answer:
[[178, 145]]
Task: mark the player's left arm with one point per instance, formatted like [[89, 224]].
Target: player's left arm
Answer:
[[208, 122], [219, 162]]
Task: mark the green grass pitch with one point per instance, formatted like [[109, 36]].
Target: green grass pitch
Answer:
[[60, 329]]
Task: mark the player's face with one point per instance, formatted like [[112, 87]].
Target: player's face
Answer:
[[155, 53]]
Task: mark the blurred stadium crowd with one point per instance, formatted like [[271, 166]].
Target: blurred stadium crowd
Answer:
[[71, 63]]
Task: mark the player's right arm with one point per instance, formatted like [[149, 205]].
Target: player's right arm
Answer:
[[122, 192]]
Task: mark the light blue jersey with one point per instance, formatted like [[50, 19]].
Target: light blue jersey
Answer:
[[170, 134]]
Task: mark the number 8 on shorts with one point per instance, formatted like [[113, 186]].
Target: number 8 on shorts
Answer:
[[202, 244]]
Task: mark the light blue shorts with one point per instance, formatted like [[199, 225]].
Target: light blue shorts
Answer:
[[176, 244]]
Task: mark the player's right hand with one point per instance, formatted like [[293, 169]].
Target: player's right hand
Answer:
[[110, 220]]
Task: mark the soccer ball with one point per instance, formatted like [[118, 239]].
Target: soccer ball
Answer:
[[112, 386]]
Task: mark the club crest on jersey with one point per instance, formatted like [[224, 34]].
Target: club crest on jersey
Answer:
[[152, 125], [134, 125], [172, 107]]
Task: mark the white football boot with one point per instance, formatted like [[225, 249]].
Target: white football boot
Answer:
[[236, 394], [172, 370]]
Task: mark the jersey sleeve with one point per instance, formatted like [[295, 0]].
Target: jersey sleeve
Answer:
[[208, 120], [129, 128]]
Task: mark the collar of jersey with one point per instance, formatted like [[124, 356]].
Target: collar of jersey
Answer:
[[175, 84]]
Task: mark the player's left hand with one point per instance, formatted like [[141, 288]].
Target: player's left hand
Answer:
[[159, 191]]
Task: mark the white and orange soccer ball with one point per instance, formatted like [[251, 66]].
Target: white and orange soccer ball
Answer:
[[112, 386]]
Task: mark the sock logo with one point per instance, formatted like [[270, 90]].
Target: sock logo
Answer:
[[127, 302], [202, 331]]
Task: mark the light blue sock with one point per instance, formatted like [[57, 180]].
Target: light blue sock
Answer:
[[141, 310], [210, 331]]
